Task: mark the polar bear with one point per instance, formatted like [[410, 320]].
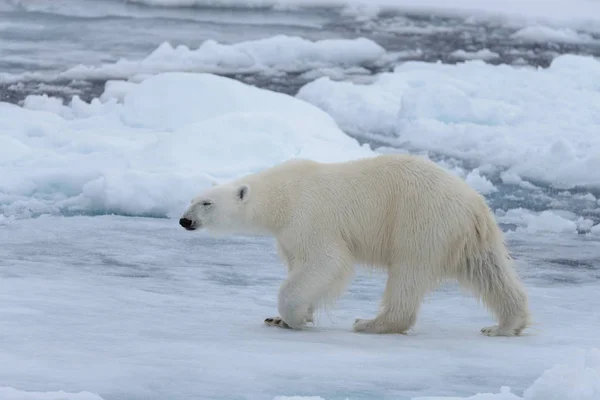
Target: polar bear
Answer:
[[402, 213]]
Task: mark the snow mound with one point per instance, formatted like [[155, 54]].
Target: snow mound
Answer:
[[270, 55], [480, 182], [546, 34], [578, 380], [170, 137], [8, 393], [539, 124], [548, 221]]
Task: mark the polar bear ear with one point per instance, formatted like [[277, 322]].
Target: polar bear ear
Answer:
[[242, 193]]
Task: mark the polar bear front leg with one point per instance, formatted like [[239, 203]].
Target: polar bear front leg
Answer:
[[277, 321], [295, 299], [308, 286]]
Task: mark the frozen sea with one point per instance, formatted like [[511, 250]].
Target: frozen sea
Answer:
[[113, 114]]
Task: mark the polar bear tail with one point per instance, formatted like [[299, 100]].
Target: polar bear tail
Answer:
[[489, 272]]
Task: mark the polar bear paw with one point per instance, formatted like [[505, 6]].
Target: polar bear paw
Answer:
[[276, 321], [497, 331]]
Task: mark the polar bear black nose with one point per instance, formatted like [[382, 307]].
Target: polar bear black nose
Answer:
[[186, 223]]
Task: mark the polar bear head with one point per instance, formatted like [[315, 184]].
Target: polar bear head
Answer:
[[220, 209]]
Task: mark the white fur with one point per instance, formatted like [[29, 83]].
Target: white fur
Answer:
[[400, 212]]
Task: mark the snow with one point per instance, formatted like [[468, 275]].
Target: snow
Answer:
[[547, 221], [546, 34], [148, 155], [111, 307], [484, 54], [479, 182], [270, 55], [138, 308], [583, 13], [514, 179], [8, 393], [534, 124], [577, 380], [531, 222]]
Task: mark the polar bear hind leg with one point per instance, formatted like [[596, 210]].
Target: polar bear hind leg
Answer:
[[496, 283], [404, 292], [492, 278]]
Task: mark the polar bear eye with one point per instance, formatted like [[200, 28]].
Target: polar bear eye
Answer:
[[206, 203], [242, 192]]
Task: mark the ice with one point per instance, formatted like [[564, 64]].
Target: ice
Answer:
[[579, 13], [172, 134], [480, 183], [137, 308], [563, 382], [547, 221], [578, 380], [535, 124], [484, 54], [531, 222], [514, 179], [267, 56], [546, 34], [7, 393]]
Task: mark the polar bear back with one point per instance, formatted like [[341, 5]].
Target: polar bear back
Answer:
[[382, 209]]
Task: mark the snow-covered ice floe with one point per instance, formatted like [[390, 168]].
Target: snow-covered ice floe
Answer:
[[537, 124], [142, 148], [578, 380], [141, 309], [539, 33], [170, 136], [268, 56]]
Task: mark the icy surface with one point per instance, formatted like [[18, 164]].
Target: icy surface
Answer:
[[106, 39], [127, 308], [577, 380], [484, 54], [148, 155], [538, 124], [545, 221], [579, 12], [268, 56], [134, 308], [8, 393], [545, 34]]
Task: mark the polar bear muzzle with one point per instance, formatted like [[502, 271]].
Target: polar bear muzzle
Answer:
[[188, 224]]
